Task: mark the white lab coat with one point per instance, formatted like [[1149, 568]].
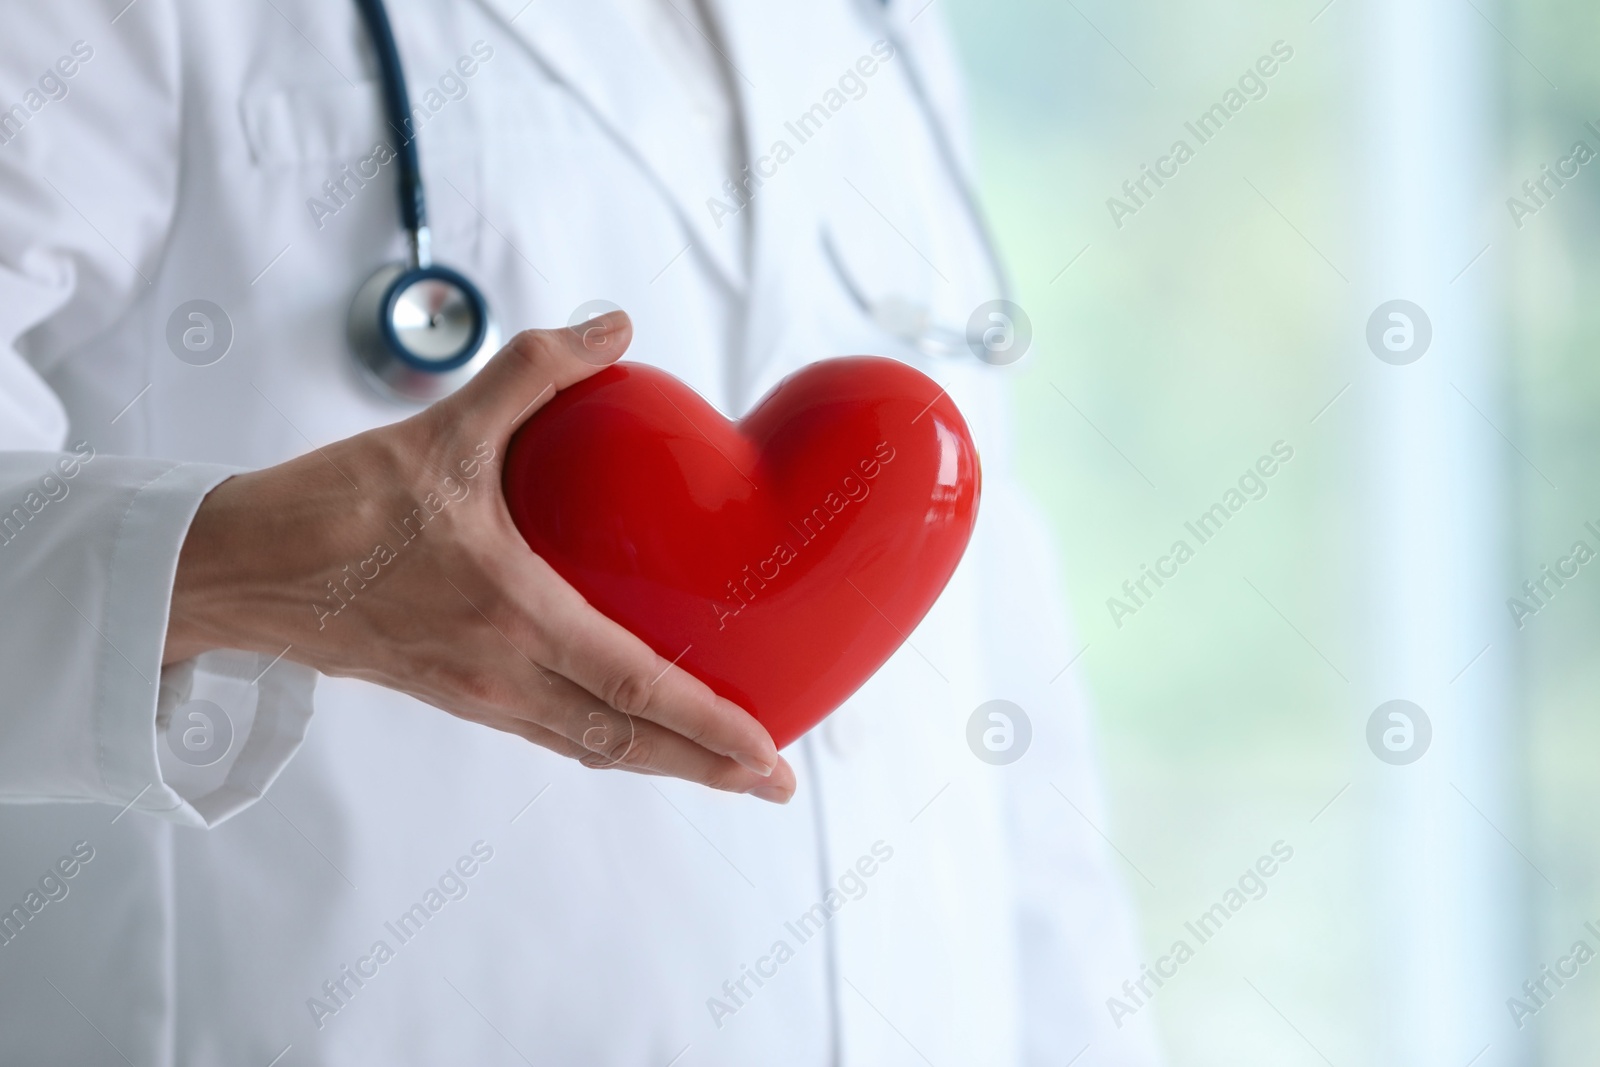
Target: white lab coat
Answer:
[[226, 903]]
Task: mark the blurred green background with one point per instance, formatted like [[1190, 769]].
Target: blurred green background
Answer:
[[1176, 350]]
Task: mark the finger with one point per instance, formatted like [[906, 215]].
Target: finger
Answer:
[[573, 723], [543, 736], [647, 748], [535, 365], [567, 719], [623, 672], [610, 737], [564, 629]]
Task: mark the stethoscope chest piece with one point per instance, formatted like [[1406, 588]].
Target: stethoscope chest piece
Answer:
[[418, 333]]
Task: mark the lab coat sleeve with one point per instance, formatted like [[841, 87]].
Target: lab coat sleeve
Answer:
[[89, 539]]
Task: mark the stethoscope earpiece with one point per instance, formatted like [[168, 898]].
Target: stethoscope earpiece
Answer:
[[419, 332]]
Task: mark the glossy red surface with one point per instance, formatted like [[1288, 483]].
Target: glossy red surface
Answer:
[[783, 557]]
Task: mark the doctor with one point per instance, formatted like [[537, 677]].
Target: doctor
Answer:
[[293, 854]]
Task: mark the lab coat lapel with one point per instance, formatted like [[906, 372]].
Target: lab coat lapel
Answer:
[[776, 47], [599, 57]]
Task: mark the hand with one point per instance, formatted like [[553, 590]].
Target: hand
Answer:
[[391, 557]]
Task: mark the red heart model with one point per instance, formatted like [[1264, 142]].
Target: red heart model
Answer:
[[780, 559]]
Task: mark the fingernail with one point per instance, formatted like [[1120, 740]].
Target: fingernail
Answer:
[[771, 793], [597, 332], [751, 763]]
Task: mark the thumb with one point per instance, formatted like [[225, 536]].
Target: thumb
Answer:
[[535, 365]]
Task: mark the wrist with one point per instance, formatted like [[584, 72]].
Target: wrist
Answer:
[[263, 544], [203, 600]]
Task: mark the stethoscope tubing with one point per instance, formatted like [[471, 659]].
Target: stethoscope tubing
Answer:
[[945, 144], [397, 114]]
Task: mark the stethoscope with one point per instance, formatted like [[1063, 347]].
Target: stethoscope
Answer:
[[418, 330], [909, 321]]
